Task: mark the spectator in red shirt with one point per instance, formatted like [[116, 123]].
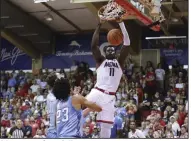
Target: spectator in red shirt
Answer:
[[29, 93], [18, 91], [42, 128], [34, 126], [5, 122], [90, 125], [150, 82], [181, 115], [148, 66]]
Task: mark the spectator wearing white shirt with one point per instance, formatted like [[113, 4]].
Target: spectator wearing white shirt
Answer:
[[39, 98], [34, 87], [157, 134], [129, 68], [186, 107], [74, 66], [38, 80], [180, 84], [175, 126], [14, 73], [43, 84], [144, 128], [39, 134], [135, 133], [160, 76]]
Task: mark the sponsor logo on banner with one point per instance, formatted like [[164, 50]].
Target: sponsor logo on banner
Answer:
[[11, 55], [172, 52], [75, 44], [75, 53], [76, 50], [171, 55], [73, 48]]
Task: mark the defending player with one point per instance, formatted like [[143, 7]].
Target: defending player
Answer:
[[109, 73], [51, 106], [69, 113]]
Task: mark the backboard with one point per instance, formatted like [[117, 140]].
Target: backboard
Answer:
[[143, 10]]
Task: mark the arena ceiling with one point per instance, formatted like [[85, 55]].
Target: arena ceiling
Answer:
[[25, 21]]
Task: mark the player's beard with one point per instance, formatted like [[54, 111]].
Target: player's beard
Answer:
[[111, 56]]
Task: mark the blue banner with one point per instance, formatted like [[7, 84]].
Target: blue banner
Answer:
[[72, 48], [171, 49], [12, 57], [171, 55]]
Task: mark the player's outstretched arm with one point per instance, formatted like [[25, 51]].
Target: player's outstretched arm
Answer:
[[126, 43], [94, 45], [80, 100]]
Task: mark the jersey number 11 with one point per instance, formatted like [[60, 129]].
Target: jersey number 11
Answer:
[[111, 72]]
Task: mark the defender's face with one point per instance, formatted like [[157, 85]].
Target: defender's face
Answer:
[[110, 53]]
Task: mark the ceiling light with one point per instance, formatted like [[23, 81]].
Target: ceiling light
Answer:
[[165, 37], [39, 1], [29, 34], [72, 33], [5, 17], [14, 26], [42, 42], [175, 20], [49, 18]]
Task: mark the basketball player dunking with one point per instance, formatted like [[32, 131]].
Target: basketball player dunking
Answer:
[[109, 73]]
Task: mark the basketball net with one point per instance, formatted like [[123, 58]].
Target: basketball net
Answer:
[[112, 11]]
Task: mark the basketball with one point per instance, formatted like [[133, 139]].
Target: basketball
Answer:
[[115, 37]]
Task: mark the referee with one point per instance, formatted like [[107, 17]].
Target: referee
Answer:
[[17, 131]]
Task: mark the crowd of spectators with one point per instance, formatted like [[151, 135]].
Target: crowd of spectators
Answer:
[[156, 102]]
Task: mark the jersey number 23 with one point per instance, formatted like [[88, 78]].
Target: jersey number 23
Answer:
[[64, 113]]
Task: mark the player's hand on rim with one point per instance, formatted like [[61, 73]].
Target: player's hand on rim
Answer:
[[101, 21], [119, 20]]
